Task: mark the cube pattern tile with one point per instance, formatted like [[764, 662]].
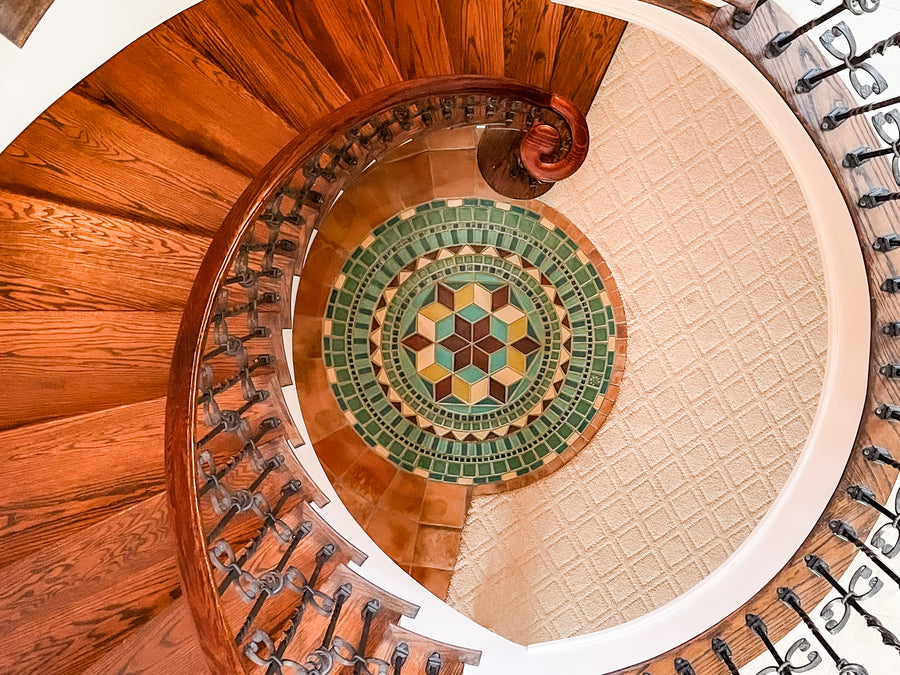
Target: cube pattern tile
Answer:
[[472, 341]]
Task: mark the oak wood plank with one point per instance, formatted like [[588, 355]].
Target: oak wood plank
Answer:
[[531, 35], [345, 38], [73, 601], [586, 46], [59, 364], [414, 32], [163, 82], [61, 477], [253, 43], [167, 644], [66, 258], [19, 18], [85, 154], [474, 30]]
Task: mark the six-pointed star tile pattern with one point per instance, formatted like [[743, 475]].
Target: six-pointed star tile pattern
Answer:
[[472, 344]]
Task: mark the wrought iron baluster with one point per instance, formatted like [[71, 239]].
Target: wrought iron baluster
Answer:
[[851, 61], [721, 649], [848, 599], [792, 600], [742, 17], [887, 412], [841, 114], [308, 597], [434, 664], [778, 44], [261, 361], [267, 590], [862, 155], [843, 530], [340, 597], [784, 664], [878, 455], [257, 461], [231, 503], [231, 419], [864, 495], [684, 667], [398, 658], [270, 520]]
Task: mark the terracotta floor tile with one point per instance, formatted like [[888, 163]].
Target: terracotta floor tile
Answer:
[[444, 504], [338, 451], [437, 547], [392, 533], [435, 580], [307, 337], [359, 507], [370, 475], [454, 172]]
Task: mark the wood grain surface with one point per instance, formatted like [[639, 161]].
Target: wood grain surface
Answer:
[[59, 257], [84, 154], [163, 82], [587, 43], [87, 592], [166, 645], [344, 37], [252, 43], [531, 35], [59, 364], [474, 30], [18, 18], [414, 34], [58, 478]]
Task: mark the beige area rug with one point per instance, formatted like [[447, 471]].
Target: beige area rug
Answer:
[[696, 211]]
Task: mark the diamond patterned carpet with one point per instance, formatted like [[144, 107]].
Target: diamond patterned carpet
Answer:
[[695, 210]]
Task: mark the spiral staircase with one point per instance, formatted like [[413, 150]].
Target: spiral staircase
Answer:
[[154, 218]]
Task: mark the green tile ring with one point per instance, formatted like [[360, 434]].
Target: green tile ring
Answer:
[[472, 341]]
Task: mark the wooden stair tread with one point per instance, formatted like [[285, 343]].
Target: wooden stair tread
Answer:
[[161, 81], [61, 257], [85, 154], [343, 35], [252, 42], [420, 648], [474, 30], [61, 477], [587, 44], [414, 33], [166, 645], [531, 34], [61, 364], [81, 596]]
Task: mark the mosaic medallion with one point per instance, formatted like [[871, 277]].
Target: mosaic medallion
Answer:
[[472, 341]]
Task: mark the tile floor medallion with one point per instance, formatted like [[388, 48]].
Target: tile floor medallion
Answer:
[[473, 342]]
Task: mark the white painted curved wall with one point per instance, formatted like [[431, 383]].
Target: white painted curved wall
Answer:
[[78, 35]]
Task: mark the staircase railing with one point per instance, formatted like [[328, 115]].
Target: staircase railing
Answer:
[[265, 577], [239, 500]]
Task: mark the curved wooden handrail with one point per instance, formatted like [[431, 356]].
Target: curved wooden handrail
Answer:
[[196, 571], [543, 140]]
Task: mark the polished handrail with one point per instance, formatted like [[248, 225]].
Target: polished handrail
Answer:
[[191, 545]]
